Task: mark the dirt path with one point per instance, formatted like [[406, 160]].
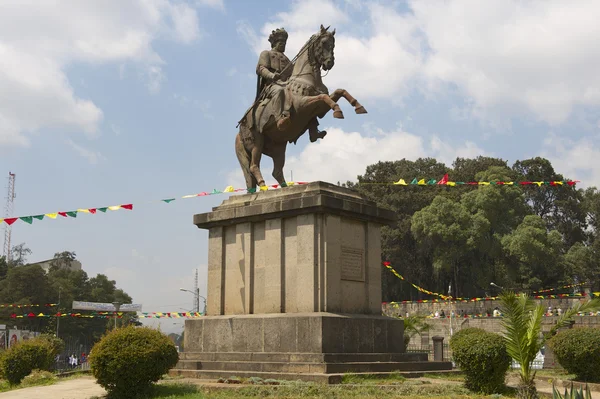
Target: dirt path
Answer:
[[78, 388]]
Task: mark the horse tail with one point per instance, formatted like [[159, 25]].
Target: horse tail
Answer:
[[243, 157]]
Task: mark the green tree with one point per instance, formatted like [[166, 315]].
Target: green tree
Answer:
[[560, 207], [535, 253], [449, 231], [398, 244]]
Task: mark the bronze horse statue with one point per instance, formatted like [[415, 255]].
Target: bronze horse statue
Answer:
[[258, 133]]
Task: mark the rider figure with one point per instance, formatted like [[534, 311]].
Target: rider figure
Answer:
[[271, 64], [270, 69]]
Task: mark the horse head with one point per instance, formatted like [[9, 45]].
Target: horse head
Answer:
[[321, 49]]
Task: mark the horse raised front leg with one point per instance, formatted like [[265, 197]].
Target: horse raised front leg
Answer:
[[358, 108], [337, 112]]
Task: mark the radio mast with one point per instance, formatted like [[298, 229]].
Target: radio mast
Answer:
[[8, 212]]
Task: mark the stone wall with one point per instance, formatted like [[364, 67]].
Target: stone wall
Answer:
[[480, 307]]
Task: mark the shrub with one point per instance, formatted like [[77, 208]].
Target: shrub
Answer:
[[483, 358], [127, 361], [578, 351], [20, 359]]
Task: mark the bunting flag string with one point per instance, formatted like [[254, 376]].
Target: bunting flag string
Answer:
[[445, 182], [446, 298], [14, 305], [93, 211]]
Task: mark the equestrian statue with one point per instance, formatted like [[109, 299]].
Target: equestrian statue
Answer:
[[290, 95]]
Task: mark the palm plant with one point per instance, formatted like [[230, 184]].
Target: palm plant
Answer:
[[522, 321], [414, 324]]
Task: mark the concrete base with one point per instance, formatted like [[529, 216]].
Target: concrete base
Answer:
[[316, 347]]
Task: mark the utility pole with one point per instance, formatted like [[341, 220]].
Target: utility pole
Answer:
[[196, 292], [58, 311], [8, 212], [117, 306]]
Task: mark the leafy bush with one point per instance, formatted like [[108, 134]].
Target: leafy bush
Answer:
[[483, 358], [578, 351], [127, 361], [21, 359]]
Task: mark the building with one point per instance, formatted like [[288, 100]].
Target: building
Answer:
[[46, 264]]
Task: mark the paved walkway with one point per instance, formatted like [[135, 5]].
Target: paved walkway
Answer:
[[78, 388]]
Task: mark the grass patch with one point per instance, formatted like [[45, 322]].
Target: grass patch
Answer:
[[460, 377], [295, 389], [393, 378]]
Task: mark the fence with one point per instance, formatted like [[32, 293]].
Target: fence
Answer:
[[537, 364], [429, 350]]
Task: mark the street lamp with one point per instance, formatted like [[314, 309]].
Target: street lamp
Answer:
[[496, 285], [117, 306], [197, 297]]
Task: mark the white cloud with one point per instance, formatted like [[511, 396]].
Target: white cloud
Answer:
[[507, 57], [218, 4], [92, 156], [342, 156], [575, 159], [40, 39]]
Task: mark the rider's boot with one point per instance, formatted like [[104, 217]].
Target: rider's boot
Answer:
[[315, 134], [284, 121]]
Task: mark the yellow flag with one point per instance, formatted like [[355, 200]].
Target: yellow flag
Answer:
[[83, 210], [1, 220], [229, 189], [401, 182], [264, 188], [539, 183], [290, 183], [52, 215], [559, 183], [190, 196], [508, 183], [114, 207], [41, 315], [451, 183], [484, 183], [421, 182]]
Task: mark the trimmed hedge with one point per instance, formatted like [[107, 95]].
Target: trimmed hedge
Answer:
[[578, 351], [21, 359], [483, 358], [127, 361]]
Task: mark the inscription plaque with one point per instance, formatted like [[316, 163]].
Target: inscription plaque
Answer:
[[352, 264]]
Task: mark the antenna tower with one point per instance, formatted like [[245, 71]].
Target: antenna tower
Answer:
[[196, 292], [8, 212]]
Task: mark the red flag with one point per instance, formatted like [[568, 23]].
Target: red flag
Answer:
[[92, 210], [10, 221], [63, 214], [127, 206], [444, 179]]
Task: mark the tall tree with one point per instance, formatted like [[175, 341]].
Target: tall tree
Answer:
[[398, 243], [560, 207]]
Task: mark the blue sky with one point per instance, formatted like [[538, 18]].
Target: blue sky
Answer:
[[113, 102]]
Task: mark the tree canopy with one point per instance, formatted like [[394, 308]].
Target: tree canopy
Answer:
[[30, 284], [466, 237]]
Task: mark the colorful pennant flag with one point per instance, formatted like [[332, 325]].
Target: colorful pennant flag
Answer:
[[73, 214]]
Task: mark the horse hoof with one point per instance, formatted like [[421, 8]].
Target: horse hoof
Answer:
[[338, 115], [360, 110]]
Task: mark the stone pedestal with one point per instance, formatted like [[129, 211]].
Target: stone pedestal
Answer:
[[294, 289]]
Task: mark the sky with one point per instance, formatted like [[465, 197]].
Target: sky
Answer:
[[117, 102]]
